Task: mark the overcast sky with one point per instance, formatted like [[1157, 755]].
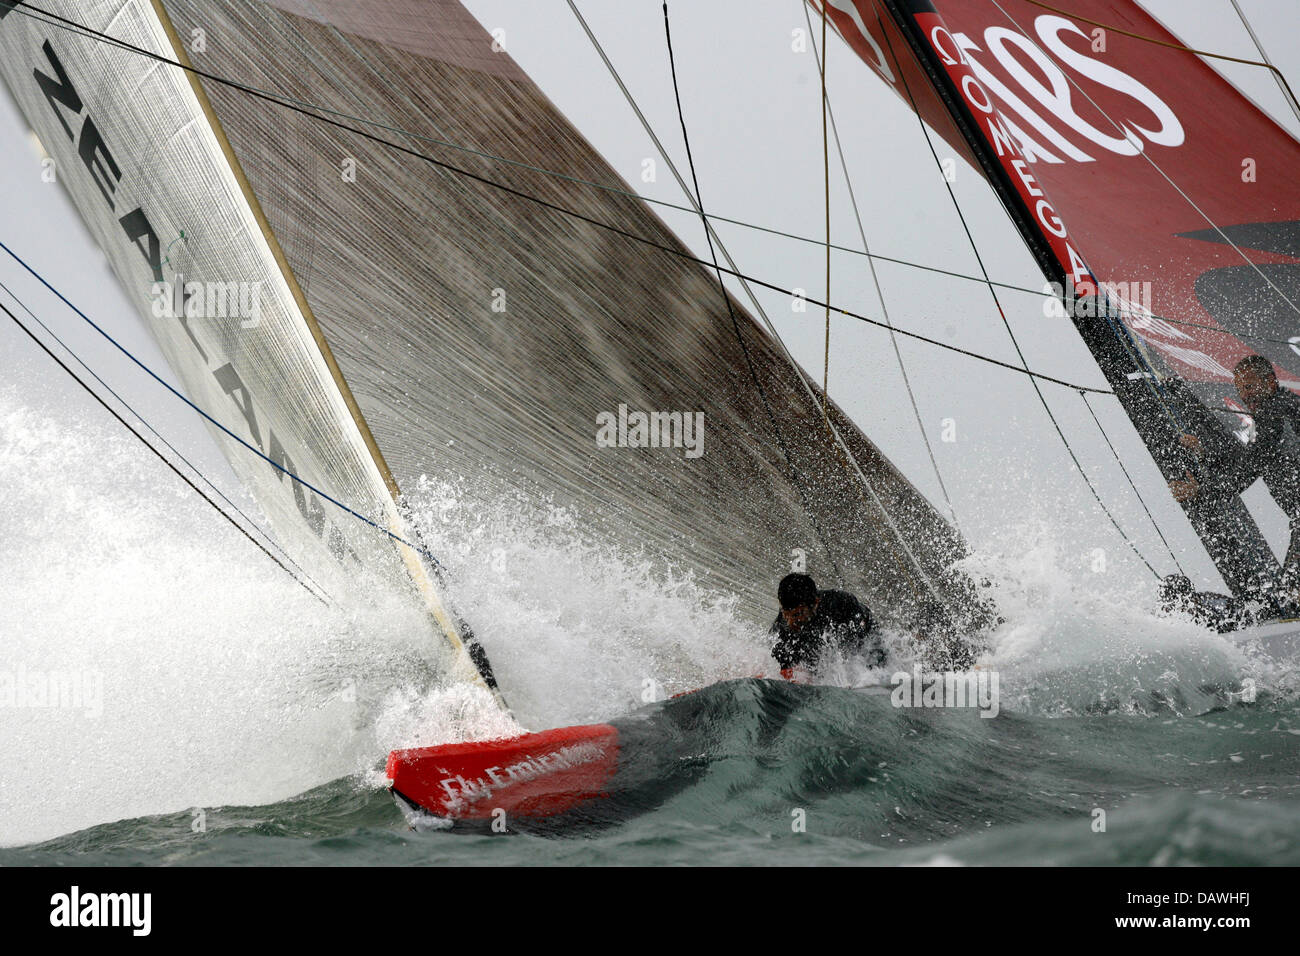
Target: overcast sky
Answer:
[[751, 105]]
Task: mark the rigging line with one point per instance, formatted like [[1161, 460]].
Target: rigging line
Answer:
[[329, 74], [826, 108], [880, 294], [108, 388], [493, 216], [1137, 354], [51, 19], [1153, 383], [867, 253], [998, 303], [1277, 74], [1129, 137], [925, 579], [826, 175], [80, 29], [745, 281], [1119, 461], [697, 199], [286, 99], [695, 209], [1151, 378], [585, 182], [253, 448], [127, 425], [676, 252], [282, 99], [1125, 336]]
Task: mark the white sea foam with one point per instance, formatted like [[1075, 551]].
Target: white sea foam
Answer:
[[221, 680], [577, 630], [1076, 642]]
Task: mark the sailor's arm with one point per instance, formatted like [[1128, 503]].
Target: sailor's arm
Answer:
[[1227, 476]]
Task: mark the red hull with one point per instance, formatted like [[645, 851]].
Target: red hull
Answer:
[[535, 775]]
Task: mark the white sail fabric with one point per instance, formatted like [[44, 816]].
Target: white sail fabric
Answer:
[[484, 336], [135, 151]]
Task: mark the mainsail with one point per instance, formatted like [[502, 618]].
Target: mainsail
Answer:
[[1159, 199], [442, 299]]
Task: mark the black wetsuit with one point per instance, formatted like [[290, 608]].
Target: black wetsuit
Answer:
[[1273, 455], [840, 620]]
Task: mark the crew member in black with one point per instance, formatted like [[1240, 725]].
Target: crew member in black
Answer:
[[810, 620], [1273, 455]]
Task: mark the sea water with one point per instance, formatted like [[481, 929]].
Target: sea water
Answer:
[[225, 716]]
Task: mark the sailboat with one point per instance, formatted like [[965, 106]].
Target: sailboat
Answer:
[[436, 273]]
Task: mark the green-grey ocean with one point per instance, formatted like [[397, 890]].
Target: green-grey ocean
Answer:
[[873, 784]]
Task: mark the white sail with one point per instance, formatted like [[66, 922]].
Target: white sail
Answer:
[[422, 310]]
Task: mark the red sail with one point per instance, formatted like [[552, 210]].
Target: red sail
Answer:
[[1136, 163]]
